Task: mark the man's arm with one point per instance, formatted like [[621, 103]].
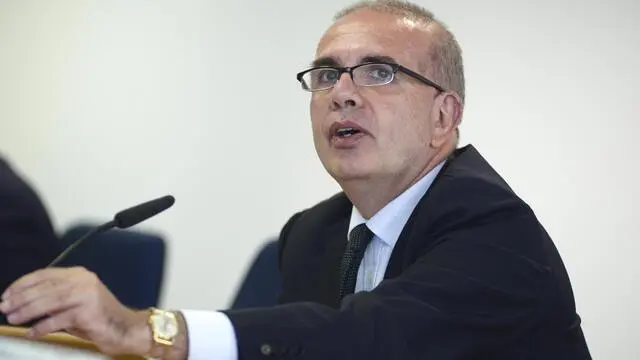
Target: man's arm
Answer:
[[75, 300], [200, 334], [210, 332]]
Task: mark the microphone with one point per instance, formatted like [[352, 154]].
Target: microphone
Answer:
[[122, 220]]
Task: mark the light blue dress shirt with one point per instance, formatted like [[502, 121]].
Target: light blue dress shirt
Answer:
[[386, 225], [211, 333]]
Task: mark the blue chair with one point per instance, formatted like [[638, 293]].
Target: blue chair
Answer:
[[262, 283], [129, 263]]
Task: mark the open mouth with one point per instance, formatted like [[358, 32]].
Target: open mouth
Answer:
[[346, 132]]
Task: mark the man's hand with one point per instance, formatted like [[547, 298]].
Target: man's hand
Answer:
[[76, 301]]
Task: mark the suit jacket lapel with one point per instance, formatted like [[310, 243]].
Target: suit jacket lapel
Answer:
[[399, 256], [336, 239]]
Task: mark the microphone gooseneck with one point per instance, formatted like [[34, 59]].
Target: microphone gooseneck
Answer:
[[92, 232], [122, 220]]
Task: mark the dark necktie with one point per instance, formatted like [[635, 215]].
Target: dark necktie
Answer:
[[359, 238]]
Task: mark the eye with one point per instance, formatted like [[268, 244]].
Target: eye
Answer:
[[324, 76], [380, 73], [375, 74]]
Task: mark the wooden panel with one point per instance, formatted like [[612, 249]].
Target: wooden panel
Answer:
[[63, 339]]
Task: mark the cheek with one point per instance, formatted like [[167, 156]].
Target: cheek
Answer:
[[419, 115], [318, 114], [405, 124]]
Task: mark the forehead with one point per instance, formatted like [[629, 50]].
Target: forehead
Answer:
[[366, 33]]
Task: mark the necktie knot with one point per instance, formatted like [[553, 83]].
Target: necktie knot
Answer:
[[359, 239]]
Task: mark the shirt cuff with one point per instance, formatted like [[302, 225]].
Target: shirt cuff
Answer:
[[211, 335]]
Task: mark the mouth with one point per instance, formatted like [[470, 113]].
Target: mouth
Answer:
[[346, 134], [345, 129]]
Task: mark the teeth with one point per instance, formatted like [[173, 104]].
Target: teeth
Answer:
[[346, 132]]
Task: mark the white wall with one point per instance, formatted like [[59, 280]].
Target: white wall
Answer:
[[106, 104]]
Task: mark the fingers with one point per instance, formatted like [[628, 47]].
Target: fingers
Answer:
[[43, 292], [25, 296], [57, 322], [35, 303], [30, 280], [39, 276], [74, 300]]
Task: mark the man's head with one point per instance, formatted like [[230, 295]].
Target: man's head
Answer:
[[403, 127]]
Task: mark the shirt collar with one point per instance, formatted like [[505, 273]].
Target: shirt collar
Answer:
[[387, 224]]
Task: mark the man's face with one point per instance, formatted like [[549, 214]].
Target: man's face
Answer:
[[394, 119]]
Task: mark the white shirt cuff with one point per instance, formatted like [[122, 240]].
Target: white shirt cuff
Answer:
[[211, 335]]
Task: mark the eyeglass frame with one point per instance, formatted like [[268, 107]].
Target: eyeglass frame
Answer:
[[349, 69]]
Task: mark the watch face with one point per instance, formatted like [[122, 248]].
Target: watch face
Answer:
[[165, 325]]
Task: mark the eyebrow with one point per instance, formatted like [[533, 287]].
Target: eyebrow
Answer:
[[332, 61], [378, 58], [325, 61]]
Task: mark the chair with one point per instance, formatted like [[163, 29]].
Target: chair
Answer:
[[262, 283], [129, 263]]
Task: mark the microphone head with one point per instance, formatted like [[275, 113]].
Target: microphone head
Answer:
[[136, 214]]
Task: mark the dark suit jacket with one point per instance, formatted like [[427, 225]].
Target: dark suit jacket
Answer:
[[472, 276], [27, 238]]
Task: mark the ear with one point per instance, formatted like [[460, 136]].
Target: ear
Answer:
[[447, 115]]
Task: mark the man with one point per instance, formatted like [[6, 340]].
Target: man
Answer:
[[27, 238], [456, 266]]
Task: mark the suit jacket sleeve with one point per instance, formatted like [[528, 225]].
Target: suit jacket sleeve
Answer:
[[479, 284]]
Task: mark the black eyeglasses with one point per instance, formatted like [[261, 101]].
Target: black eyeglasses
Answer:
[[367, 74]]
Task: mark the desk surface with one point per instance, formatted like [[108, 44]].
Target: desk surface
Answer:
[[61, 339]]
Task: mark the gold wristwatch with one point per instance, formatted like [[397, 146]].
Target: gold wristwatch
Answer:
[[164, 326]]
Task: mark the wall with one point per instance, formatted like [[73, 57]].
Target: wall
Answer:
[[106, 104]]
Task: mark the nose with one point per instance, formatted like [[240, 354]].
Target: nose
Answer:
[[345, 93]]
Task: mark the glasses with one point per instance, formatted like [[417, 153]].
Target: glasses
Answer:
[[367, 74]]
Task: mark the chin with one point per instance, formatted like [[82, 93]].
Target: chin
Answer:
[[347, 170], [346, 164]]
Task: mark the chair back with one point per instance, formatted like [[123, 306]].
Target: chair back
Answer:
[[262, 283], [130, 263]]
